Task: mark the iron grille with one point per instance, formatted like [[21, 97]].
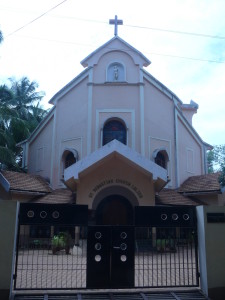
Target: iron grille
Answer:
[[166, 257]]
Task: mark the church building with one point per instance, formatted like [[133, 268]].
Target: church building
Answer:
[[115, 138]]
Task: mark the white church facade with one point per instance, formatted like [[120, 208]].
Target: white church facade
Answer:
[[116, 138]]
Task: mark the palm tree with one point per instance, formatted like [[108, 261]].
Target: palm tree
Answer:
[[24, 95], [36, 115], [20, 113], [7, 156]]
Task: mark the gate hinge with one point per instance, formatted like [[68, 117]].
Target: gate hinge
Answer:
[[14, 276], [198, 274]]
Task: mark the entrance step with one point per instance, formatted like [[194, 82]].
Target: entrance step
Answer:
[[179, 295]]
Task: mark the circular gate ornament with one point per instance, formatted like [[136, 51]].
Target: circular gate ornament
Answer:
[[123, 258], [123, 246], [98, 246], [175, 217], [30, 214], [43, 214], [55, 214], [123, 235], [186, 217], [164, 217], [98, 235], [98, 258]]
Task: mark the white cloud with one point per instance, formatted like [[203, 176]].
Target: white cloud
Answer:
[[50, 49]]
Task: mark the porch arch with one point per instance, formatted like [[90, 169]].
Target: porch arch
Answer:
[[118, 190]]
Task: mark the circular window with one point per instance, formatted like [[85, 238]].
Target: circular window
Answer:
[[123, 258], [43, 214], [164, 217], [123, 235], [55, 214], [30, 214], [98, 235], [186, 217], [98, 246], [175, 217], [98, 258]]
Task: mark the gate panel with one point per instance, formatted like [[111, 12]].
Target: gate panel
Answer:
[[166, 247], [165, 257], [51, 253]]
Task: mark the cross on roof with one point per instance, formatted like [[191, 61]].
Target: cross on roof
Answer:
[[115, 22]]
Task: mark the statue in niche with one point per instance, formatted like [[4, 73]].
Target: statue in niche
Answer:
[[116, 73]]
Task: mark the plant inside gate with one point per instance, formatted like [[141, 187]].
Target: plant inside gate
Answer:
[[60, 242], [164, 245]]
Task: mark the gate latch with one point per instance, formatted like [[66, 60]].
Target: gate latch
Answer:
[[115, 247]]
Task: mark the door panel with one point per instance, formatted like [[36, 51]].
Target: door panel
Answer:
[[98, 258], [110, 257], [122, 257]]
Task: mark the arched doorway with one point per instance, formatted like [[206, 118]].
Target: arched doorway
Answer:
[[114, 210]]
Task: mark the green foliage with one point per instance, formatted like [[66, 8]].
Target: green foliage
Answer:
[[222, 176], [210, 160], [216, 162], [1, 37], [60, 242], [20, 113], [165, 245]]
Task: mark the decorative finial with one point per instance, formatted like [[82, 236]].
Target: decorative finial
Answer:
[[116, 22]]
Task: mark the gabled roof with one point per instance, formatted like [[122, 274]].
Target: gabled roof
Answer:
[[207, 183], [116, 148], [23, 182], [69, 86], [114, 44]]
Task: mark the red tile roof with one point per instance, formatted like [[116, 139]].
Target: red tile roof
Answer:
[[26, 182], [172, 197], [57, 196], [202, 183]]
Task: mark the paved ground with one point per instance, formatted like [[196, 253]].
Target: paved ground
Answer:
[[116, 295], [40, 269]]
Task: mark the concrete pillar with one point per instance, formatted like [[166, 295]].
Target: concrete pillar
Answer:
[[77, 236], [8, 226], [211, 243]]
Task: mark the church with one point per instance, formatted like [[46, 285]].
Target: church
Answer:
[[115, 138]]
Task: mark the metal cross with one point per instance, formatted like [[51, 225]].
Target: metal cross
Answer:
[[115, 22]]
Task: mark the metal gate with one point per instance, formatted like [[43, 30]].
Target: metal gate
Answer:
[[110, 257], [51, 247], [166, 253], [56, 249]]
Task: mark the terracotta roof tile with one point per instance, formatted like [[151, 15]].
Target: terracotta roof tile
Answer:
[[172, 197], [26, 182], [201, 183], [57, 196]]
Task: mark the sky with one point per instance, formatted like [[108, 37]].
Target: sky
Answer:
[[45, 40]]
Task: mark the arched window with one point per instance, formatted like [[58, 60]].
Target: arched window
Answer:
[[69, 160], [69, 157], [161, 158], [114, 129]]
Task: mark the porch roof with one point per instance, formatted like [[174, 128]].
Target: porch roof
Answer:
[[109, 151]]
